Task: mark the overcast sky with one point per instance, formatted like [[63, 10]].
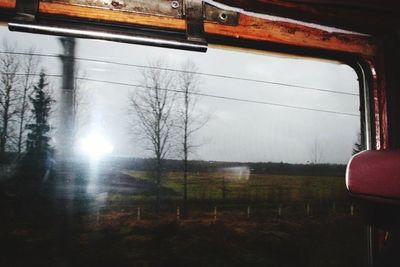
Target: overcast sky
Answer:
[[236, 131]]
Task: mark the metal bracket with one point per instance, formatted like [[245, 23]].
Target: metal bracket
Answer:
[[26, 10], [163, 8], [216, 15], [193, 11]]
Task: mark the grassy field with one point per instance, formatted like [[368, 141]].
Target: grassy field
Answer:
[[209, 186], [44, 226]]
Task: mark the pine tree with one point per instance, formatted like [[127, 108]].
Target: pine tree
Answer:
[[38, 137], [358, 146]]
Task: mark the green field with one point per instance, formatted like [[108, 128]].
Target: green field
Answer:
[[209, 186]]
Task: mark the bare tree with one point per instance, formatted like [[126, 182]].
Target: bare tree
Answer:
[[29, 67], [153, 116], [316, 152], [9, 66], [188, 121]]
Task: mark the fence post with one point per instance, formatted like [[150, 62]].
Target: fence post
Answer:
[[215, 213], [178, 213], [248, 212], [138, 214]]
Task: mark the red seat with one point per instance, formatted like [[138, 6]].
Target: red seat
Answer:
[[375, 175]]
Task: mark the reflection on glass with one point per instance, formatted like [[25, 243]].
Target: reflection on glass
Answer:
[[121, 155], [95, 146]]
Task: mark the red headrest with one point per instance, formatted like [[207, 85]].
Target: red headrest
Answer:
[[375, 175]]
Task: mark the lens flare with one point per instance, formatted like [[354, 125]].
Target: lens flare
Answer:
[[95, 145]]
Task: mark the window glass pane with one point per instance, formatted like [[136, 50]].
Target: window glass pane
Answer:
[[123, 155]]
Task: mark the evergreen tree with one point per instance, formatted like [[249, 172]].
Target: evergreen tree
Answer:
[[38, 136], [358, 146]]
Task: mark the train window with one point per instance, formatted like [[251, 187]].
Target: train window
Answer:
[[126, 155]]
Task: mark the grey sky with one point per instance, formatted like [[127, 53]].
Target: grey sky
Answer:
[[236, 131]]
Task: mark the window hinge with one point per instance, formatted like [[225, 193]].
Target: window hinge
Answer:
[[194, 15], [26, 10]]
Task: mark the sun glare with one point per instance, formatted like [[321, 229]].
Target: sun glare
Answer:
[[95, 146]]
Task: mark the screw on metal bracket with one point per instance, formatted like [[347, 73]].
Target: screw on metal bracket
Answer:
[[223, 16], [217, 15], [175, 4]]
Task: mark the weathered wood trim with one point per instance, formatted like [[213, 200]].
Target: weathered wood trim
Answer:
[[379, 103], [7, 4], [297, 35], [250, 28], [375, 17]]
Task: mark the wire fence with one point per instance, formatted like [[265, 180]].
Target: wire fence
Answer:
[[227, 212]]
